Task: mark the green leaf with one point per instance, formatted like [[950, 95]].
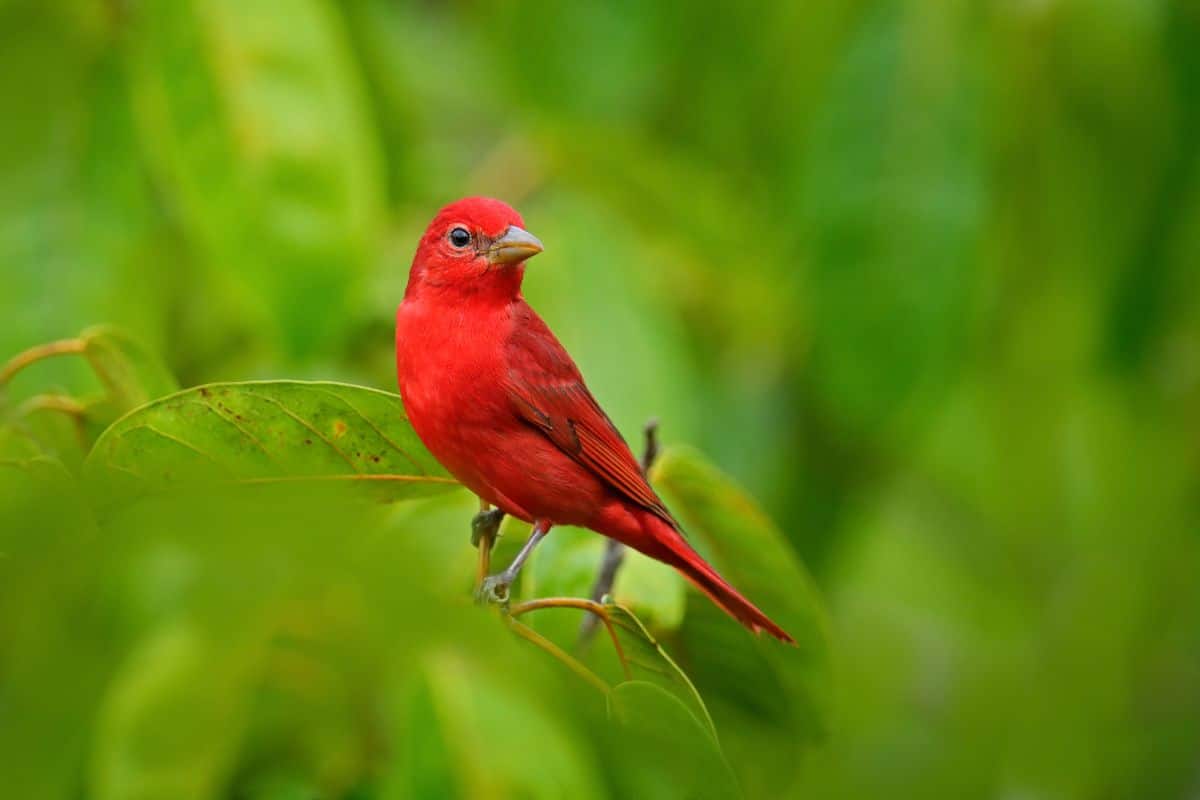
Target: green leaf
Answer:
[[480, 736], [686, 757], [776, 693], [128, 372], [268, 432], [131, 374], [649, 662], [76, 218], [257, 128], [625, 652]]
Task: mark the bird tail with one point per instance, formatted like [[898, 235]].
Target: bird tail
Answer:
[[670, 546]]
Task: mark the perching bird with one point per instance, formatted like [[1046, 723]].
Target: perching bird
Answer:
[[502, 406]]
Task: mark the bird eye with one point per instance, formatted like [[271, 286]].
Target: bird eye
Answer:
[[459, 237]]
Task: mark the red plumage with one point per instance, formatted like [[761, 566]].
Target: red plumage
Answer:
[[496, 398]]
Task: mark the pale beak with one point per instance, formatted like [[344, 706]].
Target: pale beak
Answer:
[[516, 245]]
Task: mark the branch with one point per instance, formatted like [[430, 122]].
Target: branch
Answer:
[[614, 551]]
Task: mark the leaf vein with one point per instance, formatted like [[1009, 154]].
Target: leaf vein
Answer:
[[377, 430], [181, 442], [306, 424]]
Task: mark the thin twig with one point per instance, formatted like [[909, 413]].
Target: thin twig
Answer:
[[34, 354], [650, 452], [62, 404], [614, 551], [51, 402], [596, 611]]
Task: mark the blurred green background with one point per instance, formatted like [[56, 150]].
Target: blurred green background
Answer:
[[922, 276]]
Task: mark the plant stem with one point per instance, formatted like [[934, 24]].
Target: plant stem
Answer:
[[596, 611], [34, 354]]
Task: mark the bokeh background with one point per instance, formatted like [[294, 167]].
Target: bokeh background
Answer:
[[923, 276]]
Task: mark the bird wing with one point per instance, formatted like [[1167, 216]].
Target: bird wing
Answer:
[[547, 391]]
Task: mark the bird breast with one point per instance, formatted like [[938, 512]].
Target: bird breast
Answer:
[[450, 365]]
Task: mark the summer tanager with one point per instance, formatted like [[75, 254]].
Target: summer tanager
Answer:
[[500, 403]]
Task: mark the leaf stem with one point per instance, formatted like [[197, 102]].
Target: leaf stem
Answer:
[[37, 353], [52, 402], [62, 404], [597, 611]]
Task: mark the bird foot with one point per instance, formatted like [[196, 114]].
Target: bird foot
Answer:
[[494, 590], [485, 523]]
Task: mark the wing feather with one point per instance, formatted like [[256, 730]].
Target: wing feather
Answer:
[[548, 392]]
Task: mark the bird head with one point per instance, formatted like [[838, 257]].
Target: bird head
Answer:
[[474, 244]]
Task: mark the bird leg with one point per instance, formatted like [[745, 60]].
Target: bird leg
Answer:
[[485, 529], [494, 588]]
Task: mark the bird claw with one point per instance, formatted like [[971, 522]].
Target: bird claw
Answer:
[[485, 523], [494, 590]]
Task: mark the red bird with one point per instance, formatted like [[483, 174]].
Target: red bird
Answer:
[[500, 403]]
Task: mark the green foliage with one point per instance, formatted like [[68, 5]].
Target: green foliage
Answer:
[[222, 680], [260, 433], [775, 697], [130, 374], [263, 111], [920, 277]]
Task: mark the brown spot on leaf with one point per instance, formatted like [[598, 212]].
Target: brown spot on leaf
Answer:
[[339, 429], [308, 441], [204, 391]]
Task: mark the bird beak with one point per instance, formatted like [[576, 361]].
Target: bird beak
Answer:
[[516, 245]]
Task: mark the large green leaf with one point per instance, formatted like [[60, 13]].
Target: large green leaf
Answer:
[[267, 432], [75, 216], [468, 734], [256, 124], [649, 662], [687, 759], [775, 696]]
